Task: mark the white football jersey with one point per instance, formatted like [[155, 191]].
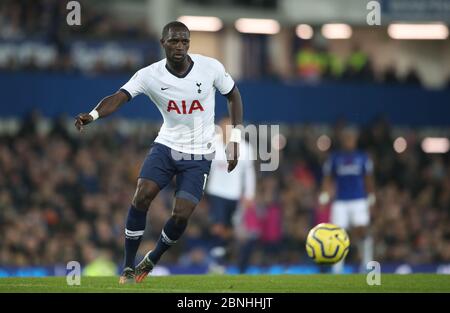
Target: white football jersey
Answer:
[[241, 182], [186, 102]]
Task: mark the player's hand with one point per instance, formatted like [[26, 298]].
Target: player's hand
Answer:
[[247, 203], [232, 153], [371, 199], [82, 119], [324, 198]]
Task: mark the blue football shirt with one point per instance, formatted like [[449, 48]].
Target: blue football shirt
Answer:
[[349, 168]]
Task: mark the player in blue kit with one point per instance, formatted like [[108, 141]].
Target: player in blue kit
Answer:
[[182, 86], [351, 171]]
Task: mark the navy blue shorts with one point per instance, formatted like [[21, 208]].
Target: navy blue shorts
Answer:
[[221, 210], [191, 171]]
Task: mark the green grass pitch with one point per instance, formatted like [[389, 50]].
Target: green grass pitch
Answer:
[[236, 283]]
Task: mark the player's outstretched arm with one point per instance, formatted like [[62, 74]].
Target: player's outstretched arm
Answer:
[[106, 106], [235, 111], [370, 189], [235, 107]]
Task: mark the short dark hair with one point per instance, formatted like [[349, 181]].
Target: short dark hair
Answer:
[[174, 24]]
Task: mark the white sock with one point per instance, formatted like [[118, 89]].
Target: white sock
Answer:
[[338, 268], [367, 252]]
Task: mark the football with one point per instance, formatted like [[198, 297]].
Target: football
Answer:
[[327, 244]]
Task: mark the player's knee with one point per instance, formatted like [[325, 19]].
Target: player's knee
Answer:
[[182, 211], [180, 218], [218, 230], [141, 201], [144, 195], [361, 231]]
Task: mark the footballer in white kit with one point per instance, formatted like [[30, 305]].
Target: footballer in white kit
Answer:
[[183, 87], [223, 202]]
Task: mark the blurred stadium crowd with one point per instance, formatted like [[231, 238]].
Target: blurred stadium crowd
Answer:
[[316, 63], [64, 197], [46, 19], [34, 36]]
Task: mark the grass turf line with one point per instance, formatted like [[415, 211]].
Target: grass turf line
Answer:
[[236, 283]]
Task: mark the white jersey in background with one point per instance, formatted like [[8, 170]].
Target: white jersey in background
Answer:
[[186, 102], [239, 182]]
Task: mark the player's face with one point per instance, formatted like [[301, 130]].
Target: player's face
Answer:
[[176, 45], [349, 140]]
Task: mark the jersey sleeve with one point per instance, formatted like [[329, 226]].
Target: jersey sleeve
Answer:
[[222, 80], [135, 86]]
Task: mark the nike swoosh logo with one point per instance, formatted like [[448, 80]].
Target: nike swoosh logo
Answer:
[[164, 88]]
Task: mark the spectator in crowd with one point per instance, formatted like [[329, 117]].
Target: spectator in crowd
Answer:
[[34, 35]]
